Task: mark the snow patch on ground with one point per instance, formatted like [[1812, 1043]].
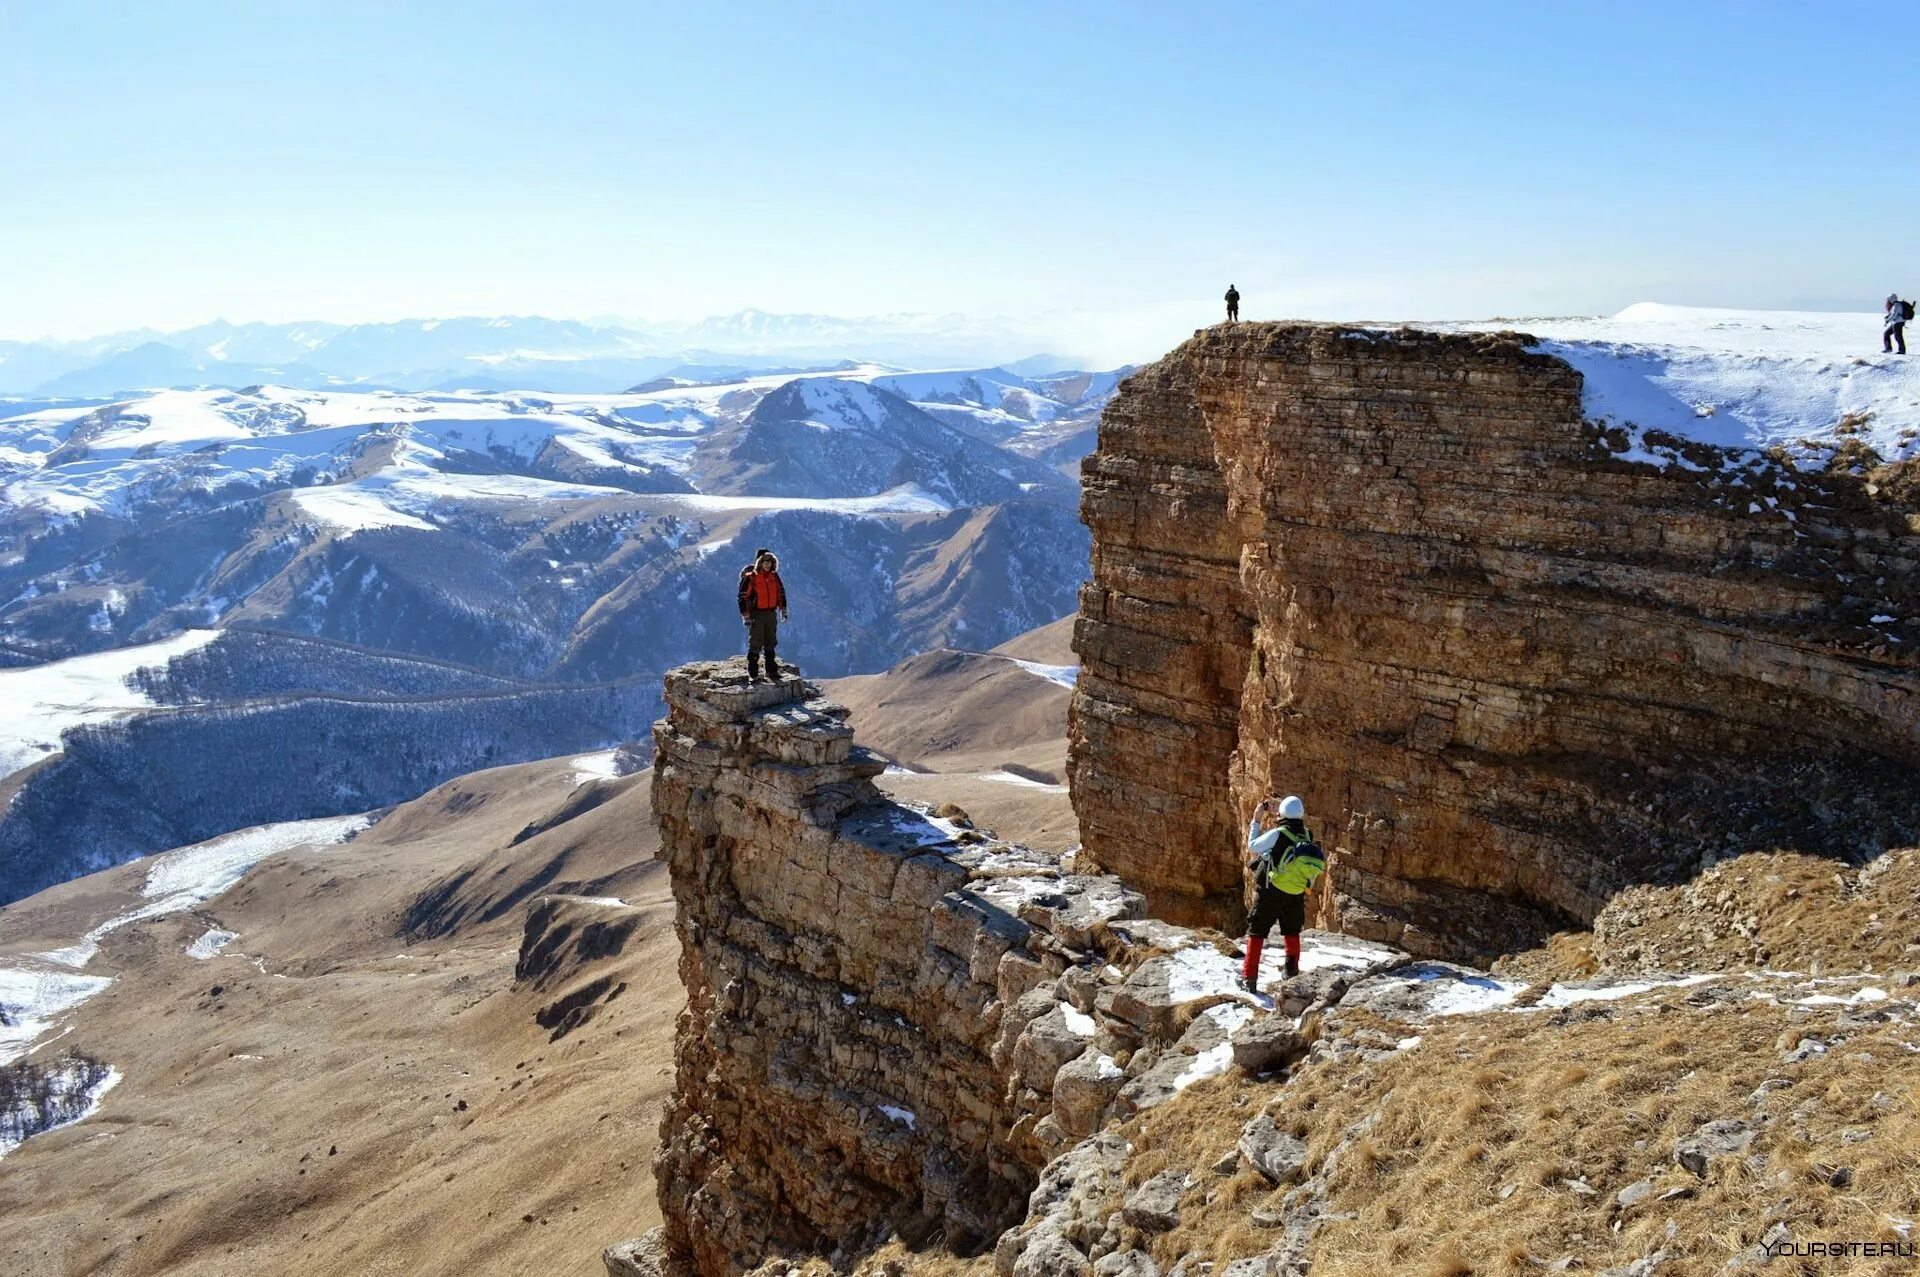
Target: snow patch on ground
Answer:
[[1201, 971], [210, 943], [1065, 675], [1010, 778], [32, 1000], [1744, 379], [178, 880], [924, 828], [1316, 955], [76, 1100], [908, 498], [349, 509], [38, 702], [1209, 1063], [206, 870], [905, 1117], [1570, 992], [1856, 998], [604, 765], [1449, 992]]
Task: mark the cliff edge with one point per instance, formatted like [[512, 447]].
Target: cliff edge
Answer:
[[1514, 659], [896, 1022]]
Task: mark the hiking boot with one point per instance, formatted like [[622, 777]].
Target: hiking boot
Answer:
[[1251, 984], [1293, 968]]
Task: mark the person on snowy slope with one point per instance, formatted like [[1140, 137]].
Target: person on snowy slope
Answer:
[[763, 604], [1894, 331], [1286, 862]]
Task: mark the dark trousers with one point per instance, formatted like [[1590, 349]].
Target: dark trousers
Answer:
[[1897, 333], [763, 635], [1275, 905], [1233, 313]]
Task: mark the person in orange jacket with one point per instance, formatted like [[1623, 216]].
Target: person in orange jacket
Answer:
[[763, 605]]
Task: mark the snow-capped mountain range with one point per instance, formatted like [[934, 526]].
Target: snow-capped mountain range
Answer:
[[497, 353], [378, 589]]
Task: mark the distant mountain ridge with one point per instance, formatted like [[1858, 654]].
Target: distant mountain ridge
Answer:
[[498, 353]]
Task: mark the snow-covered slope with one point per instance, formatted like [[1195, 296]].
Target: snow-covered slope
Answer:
[[397, 454], [842, 437], [418, 584], [1741, 378], [38, 704], [1050, 418]]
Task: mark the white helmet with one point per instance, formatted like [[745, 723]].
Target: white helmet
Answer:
[[1291, 808]]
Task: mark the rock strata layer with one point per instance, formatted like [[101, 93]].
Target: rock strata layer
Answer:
[[1512, 660], [893, 1024]]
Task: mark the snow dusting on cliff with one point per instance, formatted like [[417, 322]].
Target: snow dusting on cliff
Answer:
[[1740, 378]]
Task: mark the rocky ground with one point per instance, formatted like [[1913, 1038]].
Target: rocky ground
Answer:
[[1566, 1113]]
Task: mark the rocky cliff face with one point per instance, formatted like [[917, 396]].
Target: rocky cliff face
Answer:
[[1509, 668], [842, 967], [894, 1022], [910, 1048]]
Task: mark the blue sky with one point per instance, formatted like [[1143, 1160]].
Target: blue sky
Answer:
[[1110, 167]]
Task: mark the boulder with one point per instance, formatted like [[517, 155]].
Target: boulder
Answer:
[[1154, 1207], [1633, 1194], [1718, 1139], [1271, 1151], [644, 1256], [1126, 1263], [1082, 1090], [1266, 1044], [1048, 1253], [1047, 1043]]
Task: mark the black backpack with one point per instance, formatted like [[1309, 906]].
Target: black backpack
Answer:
[[1906, 310]]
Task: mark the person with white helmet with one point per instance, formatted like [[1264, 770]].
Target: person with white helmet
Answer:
[[1286, 862]]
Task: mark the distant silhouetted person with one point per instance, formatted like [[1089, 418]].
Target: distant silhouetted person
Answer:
[[1233, 304], [1894, 331]]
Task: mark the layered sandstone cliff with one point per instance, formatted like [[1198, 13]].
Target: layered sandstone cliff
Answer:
[[1509, 668], [846, 962], [894, 1023]]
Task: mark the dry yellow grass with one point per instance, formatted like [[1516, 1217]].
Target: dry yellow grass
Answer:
[[1498, 1145], [1783, 910], [1490, 1133]]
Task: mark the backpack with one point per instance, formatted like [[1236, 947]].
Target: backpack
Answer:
[[1906, 310], [1296, 868]]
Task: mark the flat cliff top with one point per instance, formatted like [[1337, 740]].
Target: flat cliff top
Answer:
[[1803, 381]]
